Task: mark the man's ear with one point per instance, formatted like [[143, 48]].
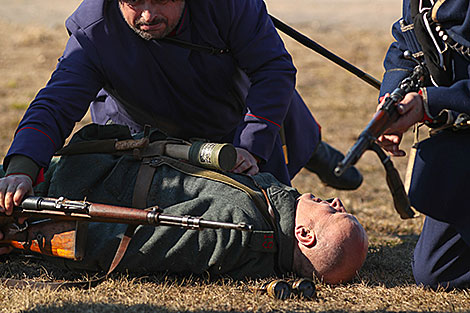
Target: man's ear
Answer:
[[305, 236]]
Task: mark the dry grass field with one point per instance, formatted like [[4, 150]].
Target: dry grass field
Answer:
[[341, 103]]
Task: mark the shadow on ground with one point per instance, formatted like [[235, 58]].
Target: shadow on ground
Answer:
[[389, 265], [141, 308]]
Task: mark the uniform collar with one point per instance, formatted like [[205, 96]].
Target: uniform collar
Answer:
[[283, 201], [182, 24]]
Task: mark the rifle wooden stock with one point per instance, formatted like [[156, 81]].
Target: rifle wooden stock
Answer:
[[381, 121], [65, 239], [385, 116]]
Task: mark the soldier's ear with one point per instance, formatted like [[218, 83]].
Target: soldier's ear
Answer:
[[305, 236]]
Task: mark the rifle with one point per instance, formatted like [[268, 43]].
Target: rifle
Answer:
[[382, 120], [66, 239]]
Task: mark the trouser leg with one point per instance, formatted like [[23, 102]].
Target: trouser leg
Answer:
[[441, 256]]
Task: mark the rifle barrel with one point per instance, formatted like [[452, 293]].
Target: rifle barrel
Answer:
[[381, 120], [63, 209], [196, 223], [354, 154]]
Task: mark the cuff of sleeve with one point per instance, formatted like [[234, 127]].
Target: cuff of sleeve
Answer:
[[258, 139], [427, 117], [20, 164]]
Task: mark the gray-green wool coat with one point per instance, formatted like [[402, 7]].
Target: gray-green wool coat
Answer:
[[110, 179]]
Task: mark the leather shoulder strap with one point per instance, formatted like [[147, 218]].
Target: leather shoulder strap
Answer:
[[139, 200]]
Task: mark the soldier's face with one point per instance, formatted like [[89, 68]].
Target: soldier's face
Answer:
[[152, 19], [312, 210]]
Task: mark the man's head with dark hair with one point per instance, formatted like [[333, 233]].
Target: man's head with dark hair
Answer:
[[331, 243]]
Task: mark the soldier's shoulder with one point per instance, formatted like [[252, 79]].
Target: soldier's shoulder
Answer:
[[87, 14]]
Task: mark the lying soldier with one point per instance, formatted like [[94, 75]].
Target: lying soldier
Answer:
[[300, 234]]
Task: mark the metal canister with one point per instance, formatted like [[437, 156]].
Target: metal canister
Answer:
[[278, 289], [304, 288]]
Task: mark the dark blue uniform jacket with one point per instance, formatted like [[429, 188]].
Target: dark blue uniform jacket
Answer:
[[243, 97], [441, 172]]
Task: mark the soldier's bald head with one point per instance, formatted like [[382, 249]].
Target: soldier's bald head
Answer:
[[332, 244]]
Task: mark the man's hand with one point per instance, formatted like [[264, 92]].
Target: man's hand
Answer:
[[411, 110], [13, 188], [246, 163]]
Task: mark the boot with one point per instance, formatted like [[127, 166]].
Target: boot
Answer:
[[323, 162]]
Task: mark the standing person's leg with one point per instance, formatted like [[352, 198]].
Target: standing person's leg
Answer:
[[441, 257]]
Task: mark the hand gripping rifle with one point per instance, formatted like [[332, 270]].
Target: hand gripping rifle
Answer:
[[46, 236], [382, 120]]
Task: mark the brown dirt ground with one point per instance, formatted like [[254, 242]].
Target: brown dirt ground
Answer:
[[341, 103]]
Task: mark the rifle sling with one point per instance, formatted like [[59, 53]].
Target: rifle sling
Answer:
[[139, 200]]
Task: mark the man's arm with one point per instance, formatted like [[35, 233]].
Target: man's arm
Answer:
[[431, 100], [48, 121], [64, 101], [436, 98], [261, 54]]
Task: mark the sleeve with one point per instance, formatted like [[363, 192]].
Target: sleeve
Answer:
[[455, 97], [20, 164], [51, 116], [396, 66], [260, 53]]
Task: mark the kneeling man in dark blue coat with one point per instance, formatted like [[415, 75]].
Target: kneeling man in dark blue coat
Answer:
[[437, 32], [208, 69]]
